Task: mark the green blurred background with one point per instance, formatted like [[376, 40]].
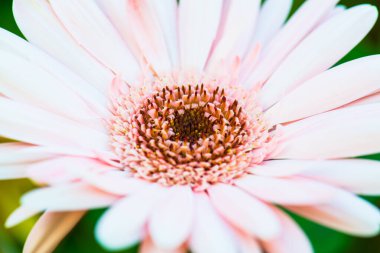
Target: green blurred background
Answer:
[[81, 240]]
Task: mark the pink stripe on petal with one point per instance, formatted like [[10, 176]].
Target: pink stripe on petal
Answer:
[[346, 213], [292, 238], [49, 231], [210, 233], [244, 211], [289, 191], [249, 244], [172, 221]]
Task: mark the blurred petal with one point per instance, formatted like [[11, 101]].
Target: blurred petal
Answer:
[[70, 197], [287, 191], [50, 229], [171, 222], [244, 211], [210, 233], [346, 213], [292, 238], [123, 225], [19, 215]]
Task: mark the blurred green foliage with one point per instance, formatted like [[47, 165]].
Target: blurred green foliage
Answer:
[[82, 238]]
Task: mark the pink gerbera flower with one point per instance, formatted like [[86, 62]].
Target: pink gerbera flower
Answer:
[[192, 121]]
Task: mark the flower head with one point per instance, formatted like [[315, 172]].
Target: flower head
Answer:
[[191, 121]]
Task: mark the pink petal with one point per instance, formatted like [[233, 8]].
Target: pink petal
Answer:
[[300, 24], [171, 222], [346, 132], [346, 213], [319, 51], [292, 191], [292, 238], [198, 25], [329, 90], [17, 46], [272, 16], [50, 229], [356, 175], [36, 19], [123, 225], [210, 233], [240, 19], [244, 211], [70, 197], [91, 29], [33, 125], [115, 182]]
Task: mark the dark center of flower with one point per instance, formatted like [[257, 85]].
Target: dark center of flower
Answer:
[[191, 125]]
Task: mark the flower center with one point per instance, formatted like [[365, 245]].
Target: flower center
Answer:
[[191, 125], [187, 135]]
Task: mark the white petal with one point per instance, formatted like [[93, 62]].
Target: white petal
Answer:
[[36, 19], [299, 25], [292, 238], [348, 132], [70, 197], [29, 124], [123, 225], [17, 46], [91, 29], [172, 221], [356, 175], [244, 211], [346, 213], [272, 16], [210, 233], [292, 191], [198, 26], [25, 82], [240, 19], [19, 215]]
